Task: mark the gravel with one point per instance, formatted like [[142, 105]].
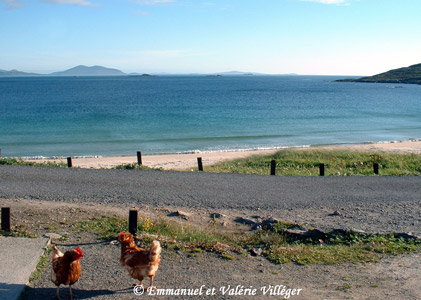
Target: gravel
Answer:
[[373, 203], [379, 204]]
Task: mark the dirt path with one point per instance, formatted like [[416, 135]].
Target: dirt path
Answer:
[[103, 278]]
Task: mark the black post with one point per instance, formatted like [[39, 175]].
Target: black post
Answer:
[[133, 221], [139, 158], [0, 152], [272, 167], [199, 163], [322, 169], [69, 162], [5, 218], [376, 168]]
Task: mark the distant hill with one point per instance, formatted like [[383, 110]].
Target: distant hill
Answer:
[[89, 71], [410, 75], [15, 73]]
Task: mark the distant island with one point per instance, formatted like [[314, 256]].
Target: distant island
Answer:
[[15, 73], [82, 70], [89, 71], [408, 75], [76, 71]]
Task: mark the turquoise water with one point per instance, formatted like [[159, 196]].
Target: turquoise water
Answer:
[[70, 116]]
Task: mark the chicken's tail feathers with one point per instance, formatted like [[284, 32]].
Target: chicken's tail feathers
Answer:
[[155, 250], [56, 252]]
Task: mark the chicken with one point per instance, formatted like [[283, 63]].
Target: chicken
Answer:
[[66, 268], [139, 262]]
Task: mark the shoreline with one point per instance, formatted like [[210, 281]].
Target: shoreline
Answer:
[[183, 161]]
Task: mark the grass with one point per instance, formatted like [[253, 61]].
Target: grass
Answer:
[[20, 162], [277, 245], [17, 233], [135, 166], [42, 264], [337, 163]]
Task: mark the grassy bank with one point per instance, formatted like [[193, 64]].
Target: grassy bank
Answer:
[[337, 163], [20, 162], [276, 244]]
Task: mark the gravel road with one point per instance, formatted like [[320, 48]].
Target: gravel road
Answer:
[[373, 203], [203, 189]]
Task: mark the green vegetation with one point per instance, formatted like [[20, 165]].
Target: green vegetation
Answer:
[[337, 163], [278, 245], [20, 162], [134, 166], [42, 264], [17, 233], [411, 74]]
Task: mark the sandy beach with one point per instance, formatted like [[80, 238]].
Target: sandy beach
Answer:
[[186, 161]]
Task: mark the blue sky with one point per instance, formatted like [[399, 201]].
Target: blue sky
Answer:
[[326, 37]]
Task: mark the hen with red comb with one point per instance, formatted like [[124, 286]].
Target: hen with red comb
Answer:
[[66, 268]]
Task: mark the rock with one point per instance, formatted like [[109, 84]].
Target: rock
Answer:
[[256, 251], [357, 230], [221, 247], [268, 223], [245, 221], [179, 213], [52, 235], [296, 232], [406, 236], [273, 220], [336, 213], [314, 234], [216, 215], [114, 243]]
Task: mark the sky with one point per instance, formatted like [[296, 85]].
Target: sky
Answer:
[[320, 37]]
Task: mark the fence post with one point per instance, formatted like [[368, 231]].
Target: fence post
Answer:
[[69, 162], [322, 169], [272, 167], [0, 152], [133, 221], [376, 168], [199, 164], [139, 158], [5, 219]]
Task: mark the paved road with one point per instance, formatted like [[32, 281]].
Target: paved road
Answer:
[[203, 189]]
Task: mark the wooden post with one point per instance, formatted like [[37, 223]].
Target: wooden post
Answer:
[[139, 158], [5, 218], [133, 221], [199, 163], [0, 152], [376, 168], [69, 162], [322, 169], [272, 167]]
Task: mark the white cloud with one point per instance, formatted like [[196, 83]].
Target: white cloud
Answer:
[[72, 2], [339, 2], [12, 4]]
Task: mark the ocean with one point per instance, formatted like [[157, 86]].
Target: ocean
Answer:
[[89, 116]]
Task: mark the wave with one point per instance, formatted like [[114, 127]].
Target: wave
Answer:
[[198, 151]]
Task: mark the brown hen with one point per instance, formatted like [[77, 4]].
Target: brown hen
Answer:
[[139, 262], [66, 268]]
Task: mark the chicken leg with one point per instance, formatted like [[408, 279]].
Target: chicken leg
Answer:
[[151, 285], [57, 293]]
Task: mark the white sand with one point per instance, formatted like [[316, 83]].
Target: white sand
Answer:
[[186, 161]]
